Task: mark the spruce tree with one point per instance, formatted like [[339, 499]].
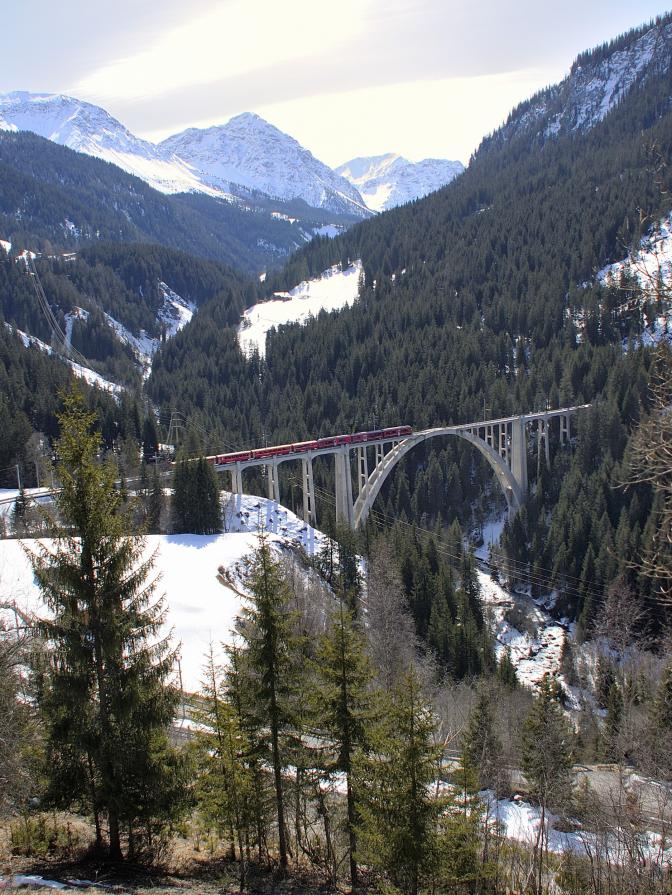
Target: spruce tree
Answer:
[[546, 762], [224, 782], [342, 706], [397, 830], [104, 695], [268, 631], [460, 861], [196, 507], [482, 748]]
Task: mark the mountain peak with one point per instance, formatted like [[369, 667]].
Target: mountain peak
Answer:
[[250, 153], [390, 179], [89, 129]]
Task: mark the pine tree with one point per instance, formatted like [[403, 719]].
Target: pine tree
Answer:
[[104, 696], [506, 670], [660, 724], [156, 502], [612, 723], [196, 507], [342, 704], [460, 820], [240, 692]]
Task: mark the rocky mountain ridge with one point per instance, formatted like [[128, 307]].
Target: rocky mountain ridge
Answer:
[[598, 81]]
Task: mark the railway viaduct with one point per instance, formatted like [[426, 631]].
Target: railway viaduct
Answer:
[[503, 442]]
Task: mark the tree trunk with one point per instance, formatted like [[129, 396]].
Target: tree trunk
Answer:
[[115, 838], [277, 777], [352, 835]]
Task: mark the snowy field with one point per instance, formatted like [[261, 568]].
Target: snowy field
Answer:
[[332, 290], [201, 609]]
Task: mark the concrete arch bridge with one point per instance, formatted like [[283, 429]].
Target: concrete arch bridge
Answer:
[[503, 442]]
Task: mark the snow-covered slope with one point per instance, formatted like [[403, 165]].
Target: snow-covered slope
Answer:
[[80, 372], [202, 604], [650, 268], [333, 289], [228, 161], [174, 313], [388, 180], [249, 152], [89, 129], [596, 84]]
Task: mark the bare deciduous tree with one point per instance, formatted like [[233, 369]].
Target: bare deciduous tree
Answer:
[[390, 629], [651, 463]]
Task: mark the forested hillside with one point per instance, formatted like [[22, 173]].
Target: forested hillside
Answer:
[[478, 300], [54, 199]]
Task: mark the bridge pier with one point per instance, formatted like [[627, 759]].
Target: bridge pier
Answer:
[[362, 468], [344, 506], [308, 492], [273, 482], [503, 440], [237, 479], [542, 436], [519, 453], [380, 453]]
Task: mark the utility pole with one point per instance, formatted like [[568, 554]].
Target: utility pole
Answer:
[[18, 477]]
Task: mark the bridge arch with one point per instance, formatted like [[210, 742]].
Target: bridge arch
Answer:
[[367, 496]]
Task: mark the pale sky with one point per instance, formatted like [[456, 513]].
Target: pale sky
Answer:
[[425, 78]]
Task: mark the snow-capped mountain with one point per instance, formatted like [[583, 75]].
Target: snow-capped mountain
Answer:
[[597, 82], [89, 129], [249, 152], [228, 161], [388, 180]]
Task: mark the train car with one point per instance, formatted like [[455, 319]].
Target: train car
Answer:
[[226, 459], [299, 447]]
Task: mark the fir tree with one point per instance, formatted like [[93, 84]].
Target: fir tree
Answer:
[[460, 821], [506, 670], [156, 502], [196, 507], [224, 782], [240, 692], [104, 696]]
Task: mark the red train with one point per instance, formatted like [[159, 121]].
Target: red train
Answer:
[[301, 446]]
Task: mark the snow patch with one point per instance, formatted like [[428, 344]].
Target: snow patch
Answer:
[[650, 267], [331, 291], [174, 314], [70, 317]]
